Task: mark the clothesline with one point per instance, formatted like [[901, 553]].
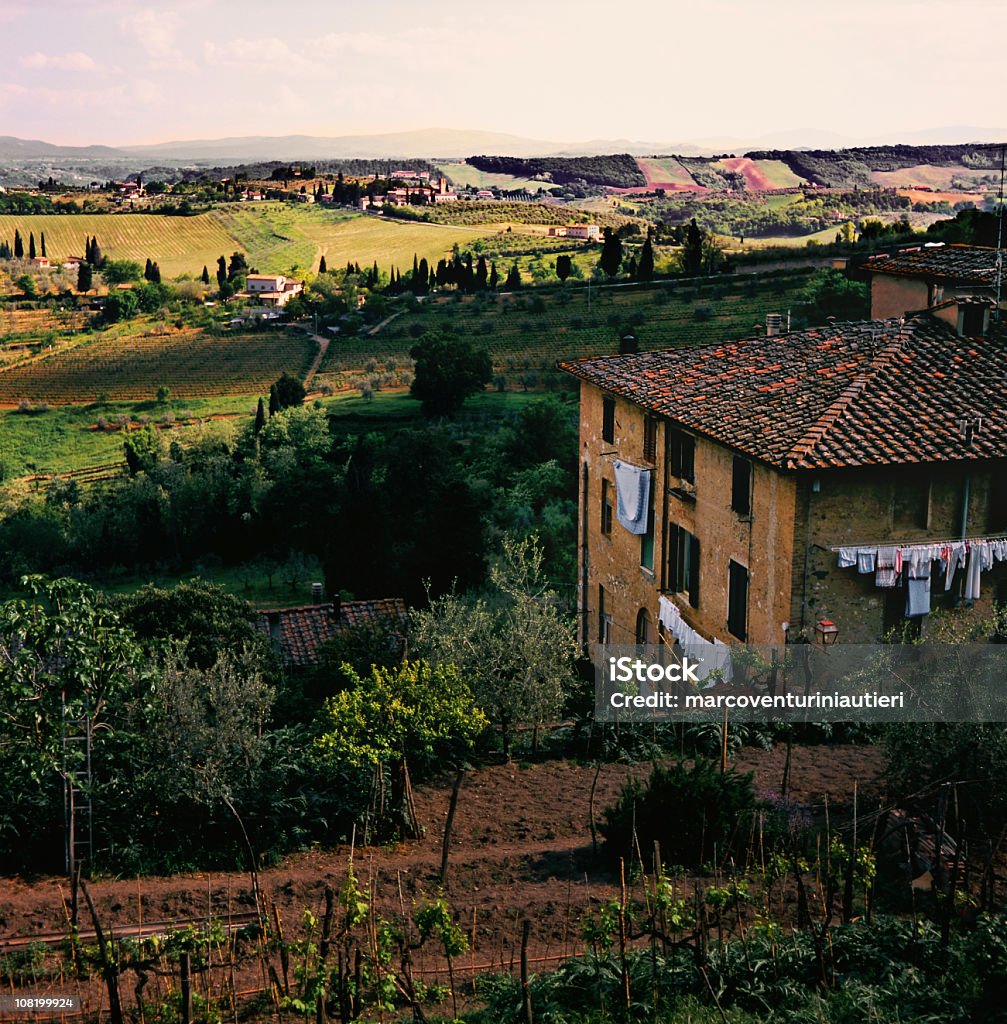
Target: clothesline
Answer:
[[919, 542]]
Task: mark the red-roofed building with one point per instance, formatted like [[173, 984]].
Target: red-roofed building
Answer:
[[765, 455], [297, 633]]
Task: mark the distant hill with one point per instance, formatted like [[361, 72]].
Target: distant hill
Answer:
[[12, 148]]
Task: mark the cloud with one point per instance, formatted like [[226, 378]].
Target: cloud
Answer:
[[157, 34], [75, 61]]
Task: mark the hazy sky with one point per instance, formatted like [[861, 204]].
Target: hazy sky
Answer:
[[104, 71]]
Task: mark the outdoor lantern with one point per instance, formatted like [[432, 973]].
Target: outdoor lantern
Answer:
[[826, 631]]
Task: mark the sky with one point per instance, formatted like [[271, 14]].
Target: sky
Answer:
[[789, 71]]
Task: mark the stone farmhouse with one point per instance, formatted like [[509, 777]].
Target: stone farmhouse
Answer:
[[796, 483], [926, 275], [271, 289]]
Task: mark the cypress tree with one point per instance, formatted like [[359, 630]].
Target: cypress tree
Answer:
[[97, 259], [155, 273], [31, 245], [148, 270], [84, 277], [274, 400], [645, 268], [513, 281], [494, 279], [221, 271], [205, 276], [42, 240], [18, 245], [322, 266], [260, 416]]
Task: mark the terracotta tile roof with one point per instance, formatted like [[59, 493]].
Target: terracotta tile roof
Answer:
[[965, 264], [852, 394], [298, 632]]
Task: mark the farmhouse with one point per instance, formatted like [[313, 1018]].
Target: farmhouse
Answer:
[[297, 633], [590, 232], [923, 276], [854, 474], [271, 289]]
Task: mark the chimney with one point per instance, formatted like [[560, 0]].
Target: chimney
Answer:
[[628, 345], [973, 319], [317, 592], [774, 324]]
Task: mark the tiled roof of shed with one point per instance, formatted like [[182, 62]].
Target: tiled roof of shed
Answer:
[[965, 264], [852, 394], [299, 632]]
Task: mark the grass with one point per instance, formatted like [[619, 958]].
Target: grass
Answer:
[[463, 174], [823, 237], [178, 244], [666, 169], [63, 440], [130, 362], [526, 333]]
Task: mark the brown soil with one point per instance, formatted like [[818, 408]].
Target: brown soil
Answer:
[[521, 848]]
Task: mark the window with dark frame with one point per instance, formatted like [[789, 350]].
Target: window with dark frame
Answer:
[[741, 486], [649, 439], [682, 454], [683, 563], [737, 601], [644, 627], [608, 420], [606, 507], [647, 539]]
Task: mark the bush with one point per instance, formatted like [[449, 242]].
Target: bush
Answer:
[[697, 814]]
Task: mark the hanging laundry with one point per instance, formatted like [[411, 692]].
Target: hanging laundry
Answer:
[[865, 559], [847, 557], [889, 566], [632, 485], [952, 557], [980, 559], [918, 591]]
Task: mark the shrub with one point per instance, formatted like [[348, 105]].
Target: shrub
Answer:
[[696, 814]]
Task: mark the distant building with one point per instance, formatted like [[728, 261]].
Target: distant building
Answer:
[[923, 276], [271, 289], [590, 232]]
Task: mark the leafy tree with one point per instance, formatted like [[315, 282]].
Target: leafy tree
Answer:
[[118, 306], [289, 394], [563, 266], [122, 271], [142, 449], [237, 267], [518, 650], [831, 293], [611, 253], [446, 372], [84, 278], [415, 714], [27, 285]]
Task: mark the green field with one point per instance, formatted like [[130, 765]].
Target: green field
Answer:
[[277, 237], [178, 244], [526, 333], [131, 363], [66, 439], [463, 174]]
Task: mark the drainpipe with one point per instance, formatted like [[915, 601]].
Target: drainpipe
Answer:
[[807, 556], [583, 558]]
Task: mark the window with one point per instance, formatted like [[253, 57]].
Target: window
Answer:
[[604, 619], [649, 439], [737, 601], [608, 420], [682, 455], [741, 486], [911, 502], [996, 515], [606, 507], [644, 627], [683, 563]]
